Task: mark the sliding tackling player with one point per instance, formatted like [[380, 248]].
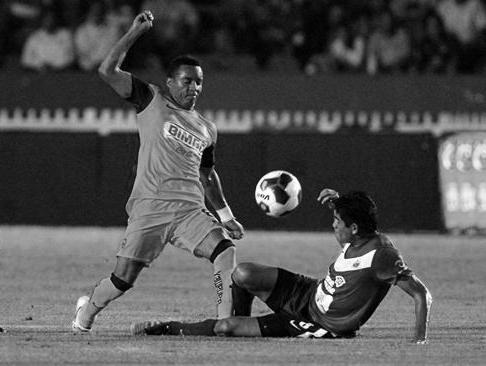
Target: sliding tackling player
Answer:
[[336, 306]]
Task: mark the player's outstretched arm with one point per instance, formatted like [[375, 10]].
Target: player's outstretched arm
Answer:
[[214, 193], [423, 302], [109, 70]]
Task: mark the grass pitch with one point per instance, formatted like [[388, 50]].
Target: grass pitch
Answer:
[[44, 270]]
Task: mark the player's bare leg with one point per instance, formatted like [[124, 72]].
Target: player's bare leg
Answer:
[[108, 289], [252, 279]]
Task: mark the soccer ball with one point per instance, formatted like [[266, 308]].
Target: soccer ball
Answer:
[[278, 193]]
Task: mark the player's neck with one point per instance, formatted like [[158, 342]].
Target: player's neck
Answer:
[[358, 241], [178, 105]]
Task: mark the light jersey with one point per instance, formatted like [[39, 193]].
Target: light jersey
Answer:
[[356, 283], [172, 144]]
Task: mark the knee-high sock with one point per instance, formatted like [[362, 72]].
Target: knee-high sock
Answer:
[[204, 328], [223, 267], [103, 293], [242, 300]]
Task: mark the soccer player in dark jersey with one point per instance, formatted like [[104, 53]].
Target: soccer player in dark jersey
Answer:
[[175, 173], [336, 306]]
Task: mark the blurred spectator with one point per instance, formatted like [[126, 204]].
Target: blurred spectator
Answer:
[[239, 14], [347, 50], [465, 20], [266, 30], [402, 9], [119, 14], [389, 46], [48, 47], [174, 29], [317, 19], [431, 46], [4, 47], [20, 17], [321, 35], [95, 37]]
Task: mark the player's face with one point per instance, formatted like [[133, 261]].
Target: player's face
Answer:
[[343, 233], [186, 85]]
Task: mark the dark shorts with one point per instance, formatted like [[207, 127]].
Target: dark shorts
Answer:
[[289, 300]]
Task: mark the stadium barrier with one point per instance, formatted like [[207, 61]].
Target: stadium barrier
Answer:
[[68, 146]]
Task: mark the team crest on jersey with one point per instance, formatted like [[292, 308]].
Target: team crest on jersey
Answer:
[[339, 281], [184, 136], [343, 264], [399, 263]]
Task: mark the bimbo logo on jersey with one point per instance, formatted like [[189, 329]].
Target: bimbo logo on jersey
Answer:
[[182, 135]]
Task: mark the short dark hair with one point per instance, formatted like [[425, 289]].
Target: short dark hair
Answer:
[[176, 62], [359, 208]]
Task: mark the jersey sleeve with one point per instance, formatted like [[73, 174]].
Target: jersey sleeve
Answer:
[[142, 94], [208, 159], [389, 266]]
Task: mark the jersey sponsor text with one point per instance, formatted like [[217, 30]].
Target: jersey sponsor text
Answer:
[[185, 137]]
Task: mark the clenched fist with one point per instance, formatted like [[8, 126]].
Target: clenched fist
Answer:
[[143, 21]]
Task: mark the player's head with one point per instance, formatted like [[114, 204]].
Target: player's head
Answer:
[[184, 80], [354, 216]]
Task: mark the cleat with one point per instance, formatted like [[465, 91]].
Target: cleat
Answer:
[[150, 328], [76, 325]]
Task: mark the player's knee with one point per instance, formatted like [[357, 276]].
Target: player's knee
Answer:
[[120, 284], [225, 327], [225, 250], [127, 270], [243, 274]]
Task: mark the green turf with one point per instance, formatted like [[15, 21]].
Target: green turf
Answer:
[[44, 270]]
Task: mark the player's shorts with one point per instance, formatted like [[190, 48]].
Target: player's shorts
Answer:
[[189, 227], [285, 325], [289, 301]]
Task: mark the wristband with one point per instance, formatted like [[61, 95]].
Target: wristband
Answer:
[[225, 214]]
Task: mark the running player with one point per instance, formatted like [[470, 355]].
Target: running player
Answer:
[[175, 173], [336, 306]]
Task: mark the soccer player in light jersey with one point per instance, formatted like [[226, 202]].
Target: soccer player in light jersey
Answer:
[[336, 306], [175, 173]]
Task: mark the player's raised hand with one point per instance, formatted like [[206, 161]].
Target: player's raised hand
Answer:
[[234, 228], [326, 196], [143, 21]]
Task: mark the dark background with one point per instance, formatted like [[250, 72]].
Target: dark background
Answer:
[[84, 178]]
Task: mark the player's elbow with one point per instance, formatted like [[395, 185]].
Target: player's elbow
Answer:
[[104, 73], [108, 70]]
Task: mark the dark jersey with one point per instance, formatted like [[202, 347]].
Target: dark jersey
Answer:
[[355, 285]]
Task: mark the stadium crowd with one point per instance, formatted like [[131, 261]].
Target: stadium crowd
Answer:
[[373, 36]]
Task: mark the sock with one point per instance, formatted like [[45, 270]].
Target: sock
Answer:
[[242, 300], [103, 293], [223, 267], [204, 328]]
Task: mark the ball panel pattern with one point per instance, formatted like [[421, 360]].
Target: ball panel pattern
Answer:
[[278, 193]]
